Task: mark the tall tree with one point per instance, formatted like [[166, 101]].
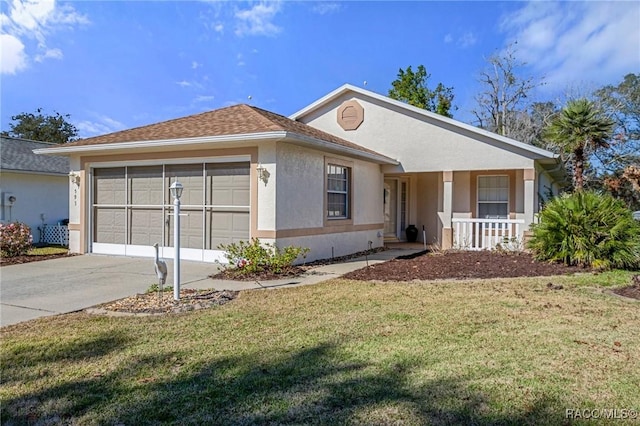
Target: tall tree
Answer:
[[580, 129], [42, 127], [411, 87], [504, 94], [617, 167], [528, 125]]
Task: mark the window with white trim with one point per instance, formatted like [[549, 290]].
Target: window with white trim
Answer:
[[338, 191], [493, 197]]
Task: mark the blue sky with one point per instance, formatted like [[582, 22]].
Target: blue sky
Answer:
[[120, 64]]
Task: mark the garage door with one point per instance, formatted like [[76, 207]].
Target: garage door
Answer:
[[133, 209]]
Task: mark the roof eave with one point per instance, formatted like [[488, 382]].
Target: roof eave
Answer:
[[330, 146], [80, 149], [34, 172]]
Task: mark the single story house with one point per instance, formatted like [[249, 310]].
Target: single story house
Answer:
[[346, 173], [34, 188]]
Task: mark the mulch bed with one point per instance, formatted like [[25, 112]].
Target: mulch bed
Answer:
[[152, 303], [6, 261], [462, 265]]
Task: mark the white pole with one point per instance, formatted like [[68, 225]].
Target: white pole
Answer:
[[176, 248]]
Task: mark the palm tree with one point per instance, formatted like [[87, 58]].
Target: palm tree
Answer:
[[578, 129]]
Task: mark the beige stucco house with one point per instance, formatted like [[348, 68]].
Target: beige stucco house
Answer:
[[346, 173]]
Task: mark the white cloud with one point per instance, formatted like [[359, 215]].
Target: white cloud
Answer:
[[203, 98], [577, 41], [258, 20], [467, 39], [325, 8], [36, 20], [185, 84], [13, 58], [102, 125], [195, 65], [218, 27], [49, 54]]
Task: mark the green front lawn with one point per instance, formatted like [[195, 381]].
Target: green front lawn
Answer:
[[508, 351]]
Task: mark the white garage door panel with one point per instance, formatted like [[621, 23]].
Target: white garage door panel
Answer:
[[190, 229], [109, 186], [145, 185], [110, 225], [146, 226], [191, 178], [133, 209], [228, 227]]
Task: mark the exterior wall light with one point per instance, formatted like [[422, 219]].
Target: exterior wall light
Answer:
[[75, 177], [263, 174]]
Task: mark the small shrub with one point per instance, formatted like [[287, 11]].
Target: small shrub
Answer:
[[587, 228], [509, 245], [15, 239], [251, 257], [153, 288]]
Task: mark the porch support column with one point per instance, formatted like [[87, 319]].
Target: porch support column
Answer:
[[529, 176], [447, 207]]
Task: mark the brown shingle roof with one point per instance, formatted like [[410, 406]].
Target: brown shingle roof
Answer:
[[233, 120]]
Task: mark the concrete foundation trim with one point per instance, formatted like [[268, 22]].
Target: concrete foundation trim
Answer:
[[447, 238]]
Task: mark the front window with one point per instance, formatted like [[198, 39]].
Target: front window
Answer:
[[493, 197], [337, 192]]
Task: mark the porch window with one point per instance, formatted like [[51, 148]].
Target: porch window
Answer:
[[493, 197], [338, 191]]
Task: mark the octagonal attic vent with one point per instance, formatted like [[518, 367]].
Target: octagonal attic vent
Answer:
[[350, 115]]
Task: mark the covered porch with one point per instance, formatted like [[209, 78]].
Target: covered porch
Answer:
[[470, 210]]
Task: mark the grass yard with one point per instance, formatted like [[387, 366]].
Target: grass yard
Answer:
[[508, 351]]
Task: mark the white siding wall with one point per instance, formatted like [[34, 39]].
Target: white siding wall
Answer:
[[35, 194], [427, 205], [419, 143], [342, 243], [300, 202], [267, 193], [461, 191], [300, 189]]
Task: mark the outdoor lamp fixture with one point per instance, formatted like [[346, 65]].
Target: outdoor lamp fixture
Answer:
[[263, 174], [176, 192], [75, 177]]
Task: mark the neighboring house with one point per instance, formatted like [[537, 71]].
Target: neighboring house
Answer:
[[346, 173], [34, 188]]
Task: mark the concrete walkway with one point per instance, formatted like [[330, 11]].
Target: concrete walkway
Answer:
[[57, 286]]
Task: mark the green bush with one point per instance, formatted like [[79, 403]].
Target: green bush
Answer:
[[587, 228], [248, 257], [15, 239]]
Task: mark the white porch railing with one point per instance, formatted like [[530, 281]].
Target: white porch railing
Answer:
[[56, 234], [486, 234]]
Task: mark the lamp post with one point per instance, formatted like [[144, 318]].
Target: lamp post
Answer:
[[176, 192]]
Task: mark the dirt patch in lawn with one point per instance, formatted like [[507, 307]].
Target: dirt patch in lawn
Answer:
[[632, 291], [16, 260], [462, 265]]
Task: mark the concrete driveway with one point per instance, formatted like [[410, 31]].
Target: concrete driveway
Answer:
[[69, 284], [56, 286]]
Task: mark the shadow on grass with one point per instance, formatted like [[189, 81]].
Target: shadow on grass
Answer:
[[35, 355], [311, 386]]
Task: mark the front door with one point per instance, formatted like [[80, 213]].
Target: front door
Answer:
[[395, 208], [391, 209]]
